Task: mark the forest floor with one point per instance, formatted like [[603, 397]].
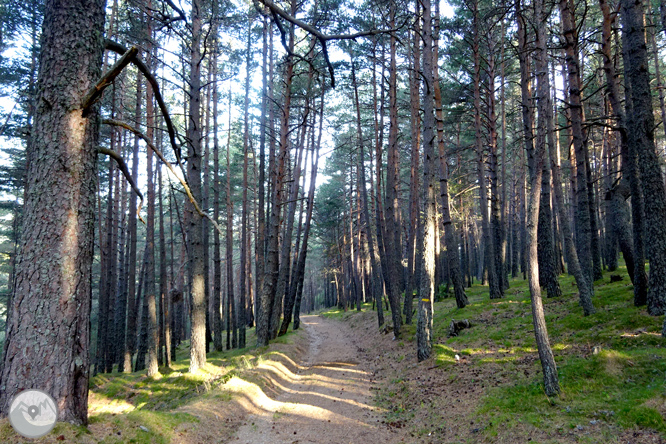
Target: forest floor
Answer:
[[485, 385], [340, 379]]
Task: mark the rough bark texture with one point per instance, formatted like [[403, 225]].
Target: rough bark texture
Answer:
[[630, 249], [546, 242], [452, 259], [52, 288], [427, 293], [125, 364], [391, 246], [535, 162], [642, 129], [195, 226], [582, 213], [414, 191], [268, 295]]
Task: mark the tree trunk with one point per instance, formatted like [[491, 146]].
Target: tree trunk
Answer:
[[391, 246], [414, 191], [453, 260], [125, 363], [427, 294], [53, 267], [195, 228], [582, 213], [535, 161], [633, 250], [242, 323], [642, 129], [377, 287]]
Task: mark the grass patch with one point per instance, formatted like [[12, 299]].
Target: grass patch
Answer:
[[131, 407], [611, 365]]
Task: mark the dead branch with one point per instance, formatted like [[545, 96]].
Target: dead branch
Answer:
[[159, 154], [323, 38], [118, 48], [107, 79], [123, 168]]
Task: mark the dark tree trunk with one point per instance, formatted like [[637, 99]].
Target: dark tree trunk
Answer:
[[452, 259], [414, 191], [195, 228], [149, 292], [392, 248], [633, 251], [53, 268], [130, 335], [546, 242], [536, 158], [242, 323], [427, 294], [582, 213], [641, 126]]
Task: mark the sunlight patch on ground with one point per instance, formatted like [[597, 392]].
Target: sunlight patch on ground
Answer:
[[255, 400]]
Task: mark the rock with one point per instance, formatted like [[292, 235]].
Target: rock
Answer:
[[456, 326], [615, 278]]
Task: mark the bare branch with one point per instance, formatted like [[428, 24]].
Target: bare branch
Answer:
[[159, 154], [107, 79], [123, 168], [180, 12], [118, 48], [323, 38]]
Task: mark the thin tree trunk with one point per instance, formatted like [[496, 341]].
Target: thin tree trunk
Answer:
[[414, 191], [424, 326]]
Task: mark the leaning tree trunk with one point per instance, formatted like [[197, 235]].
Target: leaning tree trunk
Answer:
[[536, 159], [53, 268]]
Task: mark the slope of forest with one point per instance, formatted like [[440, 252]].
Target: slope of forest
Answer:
[[182, 180], [485, 385], [480, 386]]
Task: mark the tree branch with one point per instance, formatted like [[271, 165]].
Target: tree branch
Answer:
[[107, 79], [118, 48], [180, 12], [182, 181], [323, 38], [123, 168]]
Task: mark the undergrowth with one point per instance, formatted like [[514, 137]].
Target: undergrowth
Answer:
[[135, 408], [611, 365]]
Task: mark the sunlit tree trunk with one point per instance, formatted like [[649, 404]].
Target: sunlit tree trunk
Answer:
[[53, 268]]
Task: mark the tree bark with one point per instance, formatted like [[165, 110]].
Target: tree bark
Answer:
[[195, 227], [427, 294], [642, 128], [53, 267]]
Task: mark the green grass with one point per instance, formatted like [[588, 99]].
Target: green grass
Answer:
[[134, 408], [611, 365], [340, 314]]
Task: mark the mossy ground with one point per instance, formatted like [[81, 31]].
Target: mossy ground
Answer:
[[611, 365], [132, 408]]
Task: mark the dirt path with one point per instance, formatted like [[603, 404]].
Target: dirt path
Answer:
[[327, 398]]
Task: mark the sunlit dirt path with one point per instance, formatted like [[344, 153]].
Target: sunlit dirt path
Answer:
[[325, 399]]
